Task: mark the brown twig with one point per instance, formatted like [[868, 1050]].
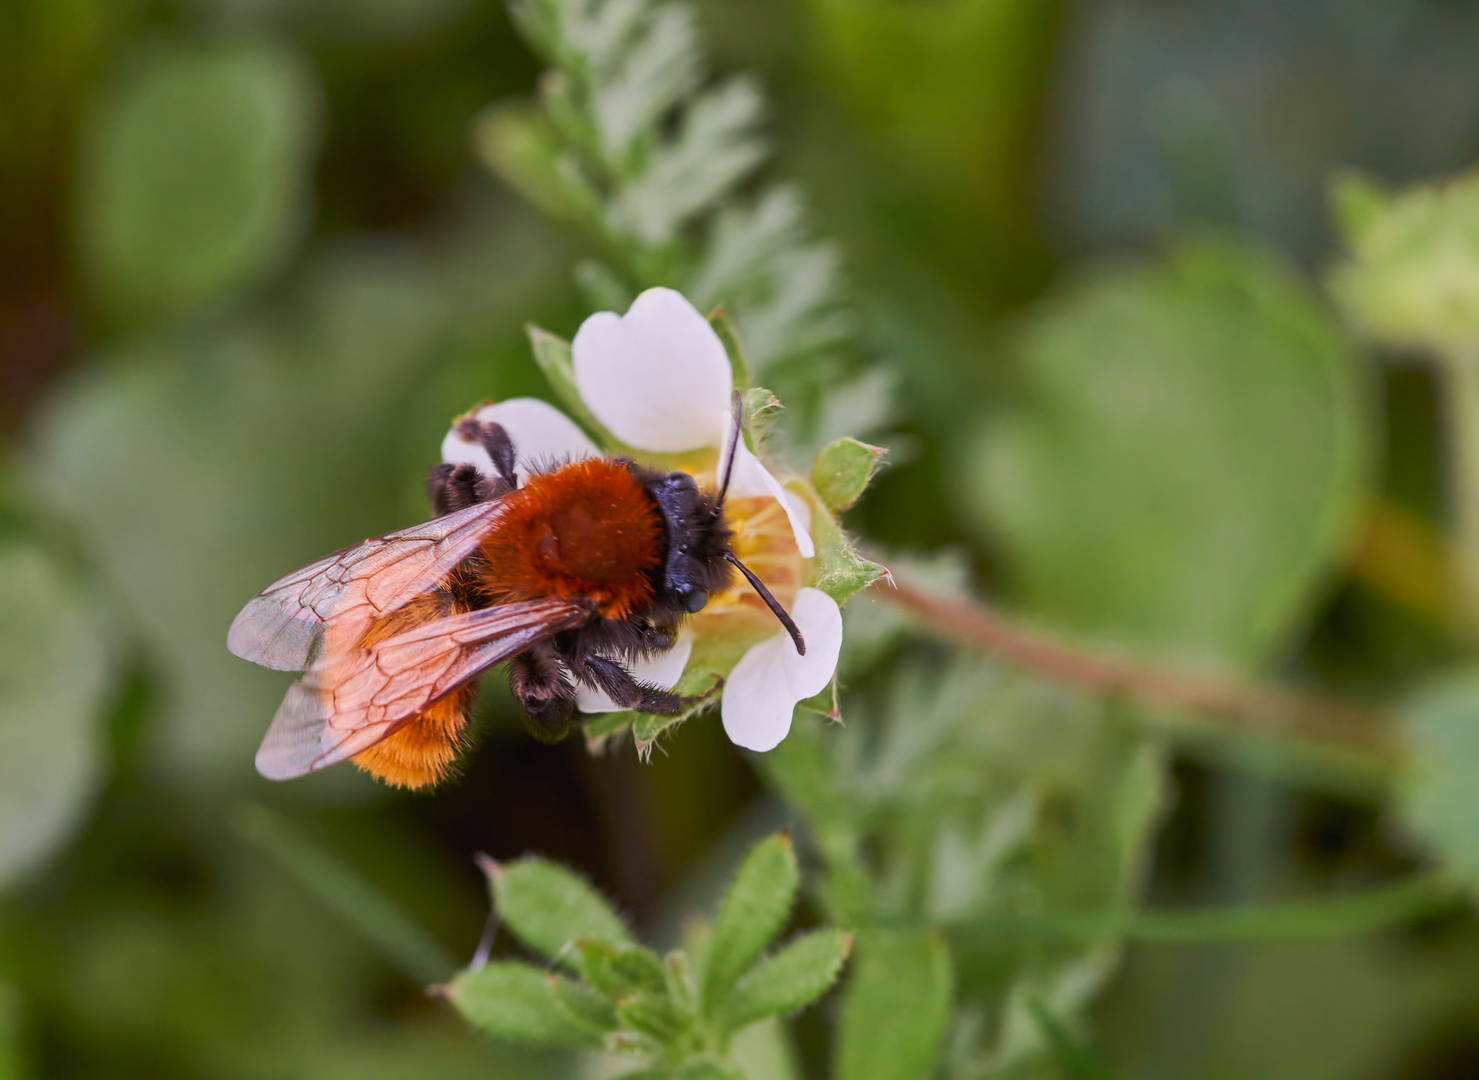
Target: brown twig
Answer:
[[1272, 709]]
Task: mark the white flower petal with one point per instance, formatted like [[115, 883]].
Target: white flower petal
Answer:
[[664, 670], [751, 479], [542, 435], [765, 686], [657, 377]]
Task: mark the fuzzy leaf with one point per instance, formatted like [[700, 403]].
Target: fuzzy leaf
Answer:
[[754, 910], [585, 1006], [895, 1007], [794, 977], [841, 472], [552, 354], [550, 908], [520, 1002]]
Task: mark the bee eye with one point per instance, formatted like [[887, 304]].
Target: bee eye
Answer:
[[694, 599]]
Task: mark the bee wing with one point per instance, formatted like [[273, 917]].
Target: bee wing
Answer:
[[282, 627], [350, 702]]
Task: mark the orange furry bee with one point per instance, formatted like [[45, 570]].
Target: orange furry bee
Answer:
[[586, 567]]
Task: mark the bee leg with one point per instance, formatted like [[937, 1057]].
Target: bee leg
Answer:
[[537, 680], [452, 488], [500, 448], [617, 683]]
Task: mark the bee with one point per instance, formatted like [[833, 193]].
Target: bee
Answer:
[[586, 567]]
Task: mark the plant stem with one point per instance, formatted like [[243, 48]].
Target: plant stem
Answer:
[[1461, 370], [1273, 710]]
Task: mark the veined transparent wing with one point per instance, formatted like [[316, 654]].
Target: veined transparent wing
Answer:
[[350, 701], [282, 627]]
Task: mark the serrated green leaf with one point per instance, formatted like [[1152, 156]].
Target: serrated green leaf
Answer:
[[895, 1007], [842, 471], [754, 910], [552, 354], [550, 908], [53, 673], [1205, 426], [196, 175], [519, 1002], [618, 972], [1441, 798], [794, 977]]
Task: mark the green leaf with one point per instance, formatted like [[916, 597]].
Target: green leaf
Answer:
[[703, 1070], [552, 354], [1186, 459], [1358, 203], [895, 1007], [53, 675], [520, 1002], [754, 910], [342, 889], [518, 143], [794, 977], [619, 972], [1441, 799], [550, 908], [196, 173], [842, 471]]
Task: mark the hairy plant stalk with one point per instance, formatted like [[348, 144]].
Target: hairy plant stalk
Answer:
[[1260, 707]]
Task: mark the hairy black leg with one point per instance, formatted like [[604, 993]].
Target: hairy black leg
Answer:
[[495, 440], [627, 692], [548, 698], [452, 488]]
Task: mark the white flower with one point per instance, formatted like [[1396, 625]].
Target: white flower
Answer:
[[659, 380]]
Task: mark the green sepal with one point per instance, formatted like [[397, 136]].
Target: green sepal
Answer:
[[584, 1005], [622, 971], [754, 910], [549, 908], [838, 570], [1358, 201], [842, 471], [794, 977], [552, 354], [739, 363], [520, 1002], [761, 408], [654, 1016]]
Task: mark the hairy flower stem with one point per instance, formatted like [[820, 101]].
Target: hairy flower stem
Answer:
[[1355, 731], [1460, 366]]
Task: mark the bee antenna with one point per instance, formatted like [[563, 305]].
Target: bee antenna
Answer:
[[770, 602], [737, 407]]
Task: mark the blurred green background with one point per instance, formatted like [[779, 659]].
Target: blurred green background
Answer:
[[250, 268]]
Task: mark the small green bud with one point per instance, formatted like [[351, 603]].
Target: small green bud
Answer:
[[1412, 279], [842, 471]]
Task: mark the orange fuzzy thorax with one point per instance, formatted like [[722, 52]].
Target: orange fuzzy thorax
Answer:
[[587, 529]]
